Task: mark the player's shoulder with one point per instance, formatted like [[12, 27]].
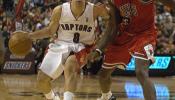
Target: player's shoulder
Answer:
[[57, 9], [101, 10], [99, 7]]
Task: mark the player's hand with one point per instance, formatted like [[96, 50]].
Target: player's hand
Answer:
[[94, 56]]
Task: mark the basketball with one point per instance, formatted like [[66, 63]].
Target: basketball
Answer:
[[20, 44]]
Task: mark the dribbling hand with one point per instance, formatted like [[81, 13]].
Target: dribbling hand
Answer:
[[93, 57]]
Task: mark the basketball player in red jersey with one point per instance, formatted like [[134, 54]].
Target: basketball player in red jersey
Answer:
[[137, 38]]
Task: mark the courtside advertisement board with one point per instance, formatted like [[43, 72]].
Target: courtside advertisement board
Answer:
[[164, 65], [19, 65]]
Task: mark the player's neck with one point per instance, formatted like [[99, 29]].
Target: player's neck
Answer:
[[77, 8]]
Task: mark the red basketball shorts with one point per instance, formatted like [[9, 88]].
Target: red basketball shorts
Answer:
[[125, 46], [82, 55]]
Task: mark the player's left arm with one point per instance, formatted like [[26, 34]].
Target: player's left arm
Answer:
[[170, 3]]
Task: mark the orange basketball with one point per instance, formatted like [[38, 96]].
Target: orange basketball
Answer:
[[20, 44]]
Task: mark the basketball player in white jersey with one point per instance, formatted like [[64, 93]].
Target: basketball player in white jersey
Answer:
[[75, 23]]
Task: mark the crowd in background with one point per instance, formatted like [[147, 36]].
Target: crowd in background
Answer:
[[36, 14], [165, 20]]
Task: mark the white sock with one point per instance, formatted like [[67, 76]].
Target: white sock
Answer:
[[49, 95], [107, 95], [68, 95]]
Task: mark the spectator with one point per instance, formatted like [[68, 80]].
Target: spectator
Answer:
[[6, 36], [168, 25], [8, 5], [166, 28], [18, 24]]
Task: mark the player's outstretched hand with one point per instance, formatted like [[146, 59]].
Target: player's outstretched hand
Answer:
[[92, 57]]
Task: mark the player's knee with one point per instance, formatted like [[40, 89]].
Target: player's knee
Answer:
[[141, 74], [42, 79], [142, 68], [71, 64], [104, 74]]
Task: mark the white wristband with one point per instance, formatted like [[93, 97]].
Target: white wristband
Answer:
[[99, 51]]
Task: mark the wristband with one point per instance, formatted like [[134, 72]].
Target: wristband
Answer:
[[99, 51]]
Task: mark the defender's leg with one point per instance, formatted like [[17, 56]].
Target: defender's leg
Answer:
[[142, 74]]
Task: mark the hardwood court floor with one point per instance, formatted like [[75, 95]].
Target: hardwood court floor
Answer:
[[23, 87]]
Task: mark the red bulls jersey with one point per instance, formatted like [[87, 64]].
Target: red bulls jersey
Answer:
[[137, 15]]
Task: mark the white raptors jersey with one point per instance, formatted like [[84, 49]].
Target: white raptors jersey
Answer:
[[77, 30]]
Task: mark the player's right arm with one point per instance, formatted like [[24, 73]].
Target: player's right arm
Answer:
[[110, 32], [51, 29], [111, 27]]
